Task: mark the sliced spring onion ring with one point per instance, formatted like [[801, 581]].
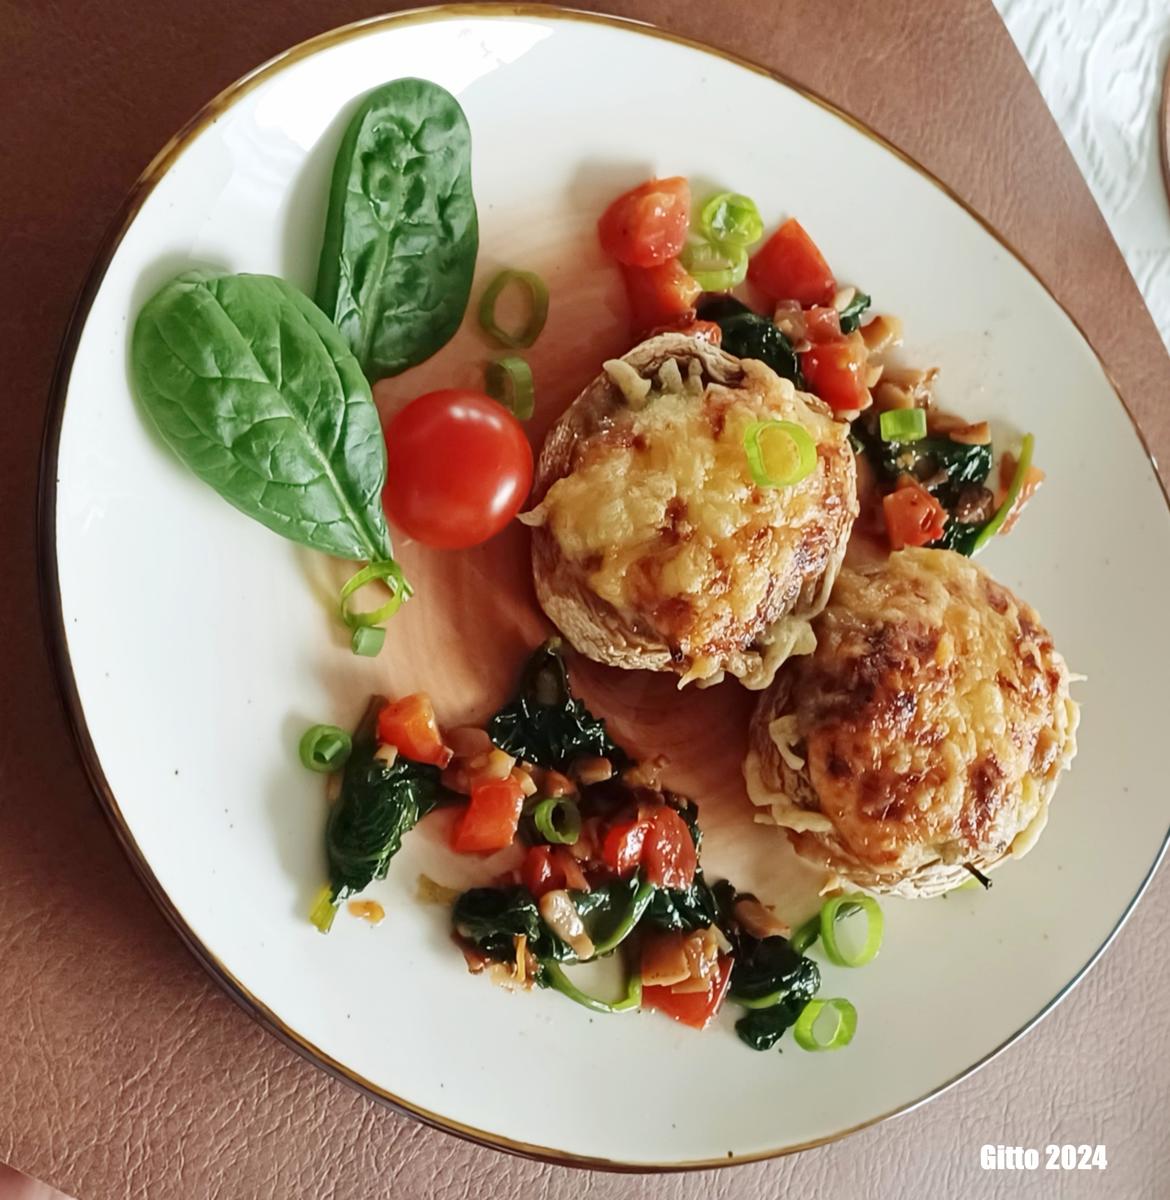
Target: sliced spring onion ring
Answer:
[[732, 219], [368, 640], [625, 926], [903, 425], [805, 1034], [563, 984], [391, 574], [833, 910], [715, 267], [324, 748], [324, 909], [509, 380], [1009, 501], [538, 301], [559, 820], [779, 453]]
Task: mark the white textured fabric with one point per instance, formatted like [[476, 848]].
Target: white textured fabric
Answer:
[[1100, 64]]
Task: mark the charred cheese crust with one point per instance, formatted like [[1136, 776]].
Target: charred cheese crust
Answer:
[[652, 545], [927, 730]]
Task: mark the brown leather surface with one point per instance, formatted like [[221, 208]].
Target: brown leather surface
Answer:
[[124, 1070]]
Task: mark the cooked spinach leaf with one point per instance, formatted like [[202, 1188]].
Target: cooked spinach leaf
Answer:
[[775, 982], [402, 233], [684, 909], [959, 536], [610, 910], [850, 315], [258, 394], [747, 335], [492, 918], [720, 308], [379, 804], [546, 725]]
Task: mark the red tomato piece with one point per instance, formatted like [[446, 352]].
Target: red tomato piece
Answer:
[[647, 226], [458, 468], [788, 266], [410, 725], [836, 371], [695, 1009], [822, 324], [668, 853], [621, 851], [539, 872], [913, 516], [490, 819], [664, 295]]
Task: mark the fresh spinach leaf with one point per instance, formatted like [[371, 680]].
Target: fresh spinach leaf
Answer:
[[379, 804], [850, 315], [545, 724], [258, 394], [492, 918], [402, 233]]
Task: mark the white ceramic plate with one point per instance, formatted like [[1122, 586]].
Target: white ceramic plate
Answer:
[[195, 645]]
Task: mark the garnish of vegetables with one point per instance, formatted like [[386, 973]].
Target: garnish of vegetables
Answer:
[[259, 395], [324, 748], [381, 800], [1013, 494], [401, 233], [779, 453], [903, 425], [508, 380]]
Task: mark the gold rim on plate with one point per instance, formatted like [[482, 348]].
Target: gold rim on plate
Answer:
[[54, 618]]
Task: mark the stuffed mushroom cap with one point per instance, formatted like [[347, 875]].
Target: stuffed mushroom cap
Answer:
[[925, 734], [654, 547]]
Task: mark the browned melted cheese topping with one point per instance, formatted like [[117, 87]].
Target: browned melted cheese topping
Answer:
[[662, 515], [934, 715]]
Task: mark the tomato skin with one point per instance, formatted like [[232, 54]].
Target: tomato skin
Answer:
[[668, 853], [788, 266], [664, 295], [695, 1009], [458, 469], [547, 868], [410, 725], [913, 516], [621, 851], [647, 226], [489, 821], [822, 324], [836, 371]]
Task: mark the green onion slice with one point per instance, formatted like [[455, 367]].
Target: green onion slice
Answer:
[[832, 911], [732, 219], [779, 453], [715, 267], [538, 303], [558, 979], [805, 1033], [324, 909], [324, 748], [1009, 501], [559, 820], [806, 935], [368, 640], [391, 574], [509, 380], [903, 425]]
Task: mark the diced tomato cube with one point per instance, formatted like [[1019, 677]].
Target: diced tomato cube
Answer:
[[489, 821], [410, 725], [836, 372], [647, 226], [913, 516], [695, 1009], [788, 266], [664, 295]]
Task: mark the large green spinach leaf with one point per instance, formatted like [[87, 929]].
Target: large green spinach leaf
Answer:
[[402, 233], [748, 335], [258, 394], [546, 724], [491, 918], [775, 982]]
